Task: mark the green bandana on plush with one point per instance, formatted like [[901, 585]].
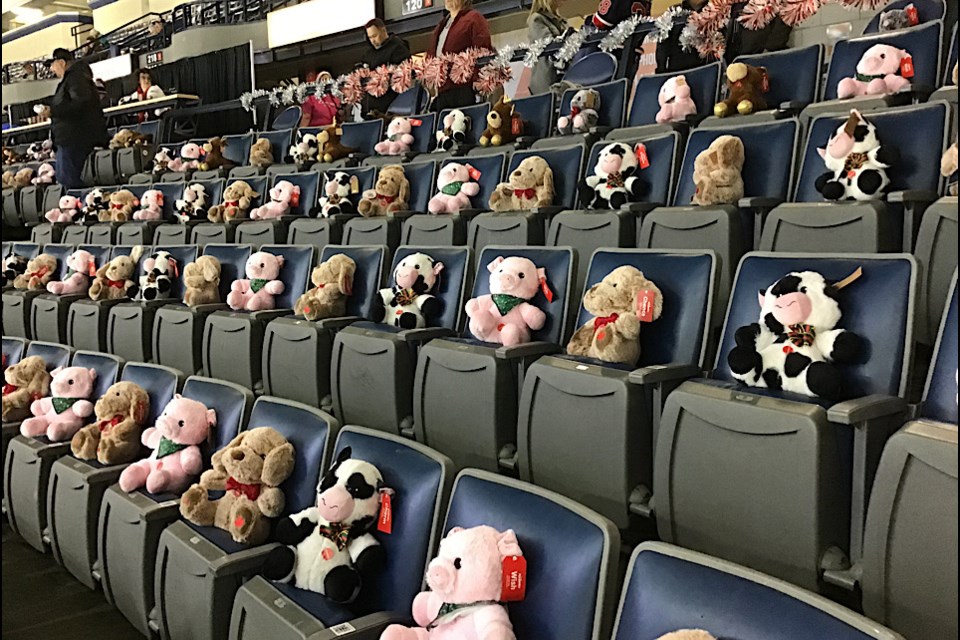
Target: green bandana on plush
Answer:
[[168, 447], [451, 189], [505, 302], [258, 283], [62, 404]]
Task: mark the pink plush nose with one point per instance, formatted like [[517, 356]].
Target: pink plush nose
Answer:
[[406, 277], [793, 308], [508, 281], [331, 187], [611, 163], [335, 504], [840, 146], [441, 575], [873, 64]]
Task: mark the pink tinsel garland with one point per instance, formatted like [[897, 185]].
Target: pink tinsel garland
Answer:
[[379, 81], [403, 76], [434, 73], [492, 77]]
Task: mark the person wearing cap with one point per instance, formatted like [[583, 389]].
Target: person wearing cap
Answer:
[[76, 117]]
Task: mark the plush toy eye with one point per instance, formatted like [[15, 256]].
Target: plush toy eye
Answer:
[[118, 394], [180, 424], [614, 285], [803, 289], [882, 56], [417, 267], [522, 276], [69, 381], [457, 564], [261, 265]]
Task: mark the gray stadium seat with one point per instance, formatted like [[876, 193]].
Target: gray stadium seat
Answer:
[[274, 231], [17, 303], [13, 349], [75, 234], [937, 253], [46, 233], [133, 160], [48, 313], [31, 201], [385, 230]]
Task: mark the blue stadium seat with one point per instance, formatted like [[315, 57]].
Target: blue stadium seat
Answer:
[[280, 141], [261, 232], [465, 393], [385, 230], [937, 251], [187, 604], [373, 359], [48, 313], [320, 231], [410, 101], [13, 349], [538, 115], [478, 122], [421, 479], [793, 464], [289, 118], [362, 136], [927, 11], [613, 100], [237, 150], [794, 75], [77, 486], [704, 82], [592, 69], [17, 303]]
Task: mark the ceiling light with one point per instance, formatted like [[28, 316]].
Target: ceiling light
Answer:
[[27, 15]]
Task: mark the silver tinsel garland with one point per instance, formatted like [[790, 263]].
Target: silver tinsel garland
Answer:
[[569, 48], [665, 21], [536, 48], [614, 40]]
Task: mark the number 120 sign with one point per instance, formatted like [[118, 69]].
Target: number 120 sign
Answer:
[[415, 6]]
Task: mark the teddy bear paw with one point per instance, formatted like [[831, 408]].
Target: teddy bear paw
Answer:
[[745, 107], [720, 110]]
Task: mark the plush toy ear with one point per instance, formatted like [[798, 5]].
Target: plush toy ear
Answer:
[[279, 261], [344, 455], [822, 152], [544, 287], [56, 371], [455, 530], [278, 465], [93, 373], [437, 268], [761, 298], [548, 180], [354, 184], [508, 545], [211, 417], [346, 278], [496, 263]]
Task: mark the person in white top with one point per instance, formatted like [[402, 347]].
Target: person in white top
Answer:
[[146, 90]]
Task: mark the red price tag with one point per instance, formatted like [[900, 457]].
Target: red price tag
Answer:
[[912, 16], [415, 122], [645, 303], [642, 159], [385, 521], [514, 587], [474, 173], [906, 67], [766, 82], [516, 125]]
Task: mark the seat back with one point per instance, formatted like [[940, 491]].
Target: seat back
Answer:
[[137, 189], [478, 120], [106, 365], [75, 234], [940, 395], [366, 178], [537, 112], [421, 176], [564, 599], [260, 184], [951, 58], [703, 82], [231, 402], [51, 197], [233, 260], [407, 102], [30, 202], [669, 588], [362, 136], [613, 100], [172, 191], [310, 431], [309, 183], [160, 383], [371, 262], [289, 118], [560, 266], [26, 249], [592, 69], [237, 150], [55, 355], [566, 164], [13, 349], [423, 135], [794, 73], [452, 284], [491, 174], [922, 41], [658, 178], [100, 253], [280, 141], [936, 250], [887, 337], [213, 189], [927, 11], [61, 252], [295, 274]]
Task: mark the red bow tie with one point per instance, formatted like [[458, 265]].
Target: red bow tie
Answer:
[[116, 284], [529, 194], [104, 425], [601, 322], [9, 388], [251, 491], [116, 205], [574, 112], [232, 203], [39, 273], [386, 199]]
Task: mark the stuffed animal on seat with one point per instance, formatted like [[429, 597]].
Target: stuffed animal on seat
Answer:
[[13, 266], [284, 200], [161, 161], [157, 280], [796, 346], [505, 315], [40, 151], [23, 178], [192, 206], [126, 138], [115, 279], [856, 162], [948, 168], [896, 19], [68, 210], [122, 205], [24, 382], [717, 172], [688, 634], [151, 206], [261, 153], [456, 185], [114, 437], [39, 273], [882, 70], [191, 155], [213, 157], [614, 182], [176, 438], [619, 302], [81, 267], [408, 303], [399, 138], [504, 124], [7, 180], [746, 85], [249, 471], [331, 148], [61, 415], [584, 113], [675, 101], [337, 190], [330, 548], [456, 124], [46, 174], [468, 589], [256, 291], [96, 202], [237, 199], [391, 193], [332, 284], [201, 279], [304, 151], [529, 186]]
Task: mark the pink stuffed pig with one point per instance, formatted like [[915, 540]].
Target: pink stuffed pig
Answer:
[[151, 206], [68, 209], [62, 414], [675, 101], [466, 589], [283, 197], [399, 137], [505, 315], [183, 426], [882, 70], [457, 186], [81, 267], [189, 159], [256, 292]]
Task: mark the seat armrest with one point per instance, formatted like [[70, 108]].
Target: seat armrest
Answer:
[[640, 207], [425, 334], [694, 119], [920, 92], [470, 214], [860, 410], [548, 212], [210, 308], [913, 196], [524, 142], [600, 130], [354, 159], [403, 215], [246, 561], [266, 315], [761, 208], [369, 627], [527, 350], [658, 373], [156, 304], [792, 107], [915, 202], [335, 324]]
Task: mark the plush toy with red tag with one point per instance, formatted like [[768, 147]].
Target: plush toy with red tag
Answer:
[[746, 85], [61, 415], [456, 184], [332, 284], [896, 19], [81, 267], [476, 572], [399, 137], [284, 198], [584, 113], [151, 206], [67, 211], [882, 70], [330, 547], [614, 182], [856, 162], [504, 124], [191, 155], [619, 302], [257, 290], [505, 315], [408, 303], [529, 186]]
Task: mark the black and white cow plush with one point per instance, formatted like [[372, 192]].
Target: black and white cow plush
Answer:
[[13, 265], [456, 124], [337, 190], [93, 203], [856, 162], [796, 345], [329, 547], [408, 303], [193, 205], [157, 279], [614, 181], [304, 151]]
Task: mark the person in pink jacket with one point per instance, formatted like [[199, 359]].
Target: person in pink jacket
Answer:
[[319, 110]]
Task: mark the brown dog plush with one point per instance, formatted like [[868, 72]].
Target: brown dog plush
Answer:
[[504, 124], [237, 198], [115, 436], [261, 153], [614, 334], [127, 138], [40, 271], [530, 186], [717, 172], [122, 205], [213, 157], [116, 277], [390, 193], [332, 283], [26, 381], [329, 147], [746, 85], [202, 281], [249, 470]]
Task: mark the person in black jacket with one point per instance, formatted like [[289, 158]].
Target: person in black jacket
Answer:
[[384, 49], [76, 117]]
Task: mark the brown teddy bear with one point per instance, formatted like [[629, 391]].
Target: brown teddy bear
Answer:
[[332, 283], [122, 205], [530, 186], [26, 381], [329, 147], [504, 124], [717, 172], [127, 138], [746, 85], [202, 281], [116, 277], [261, 153], [23, 178], [115, 436], [618, 302], [249, 470], [7, 179], [391, 193], [237, 198], [40, 271], [213, 157]]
